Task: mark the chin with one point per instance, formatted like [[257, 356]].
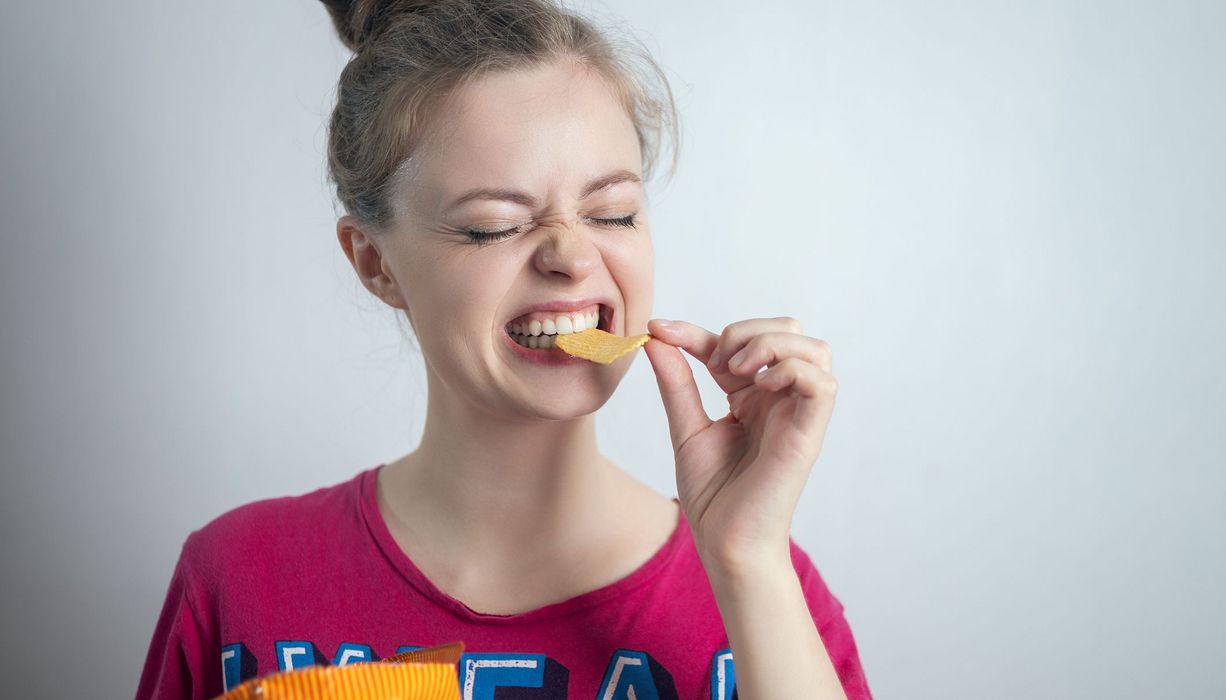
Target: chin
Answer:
[[568, 406], [569, 409]]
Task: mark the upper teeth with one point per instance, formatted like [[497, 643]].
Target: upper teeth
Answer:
[[558, 325]]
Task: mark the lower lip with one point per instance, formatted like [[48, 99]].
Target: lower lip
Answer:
[[545, 356]]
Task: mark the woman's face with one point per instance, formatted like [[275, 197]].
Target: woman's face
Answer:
[[553, 135]]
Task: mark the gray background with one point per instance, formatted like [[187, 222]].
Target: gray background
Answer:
[[1006, 219]]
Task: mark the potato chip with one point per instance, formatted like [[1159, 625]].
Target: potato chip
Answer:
[[422, 674], [598, 346]]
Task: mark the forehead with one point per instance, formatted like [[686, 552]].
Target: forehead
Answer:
[[549, 127]]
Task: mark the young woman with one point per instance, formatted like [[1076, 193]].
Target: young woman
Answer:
[[492, 156]]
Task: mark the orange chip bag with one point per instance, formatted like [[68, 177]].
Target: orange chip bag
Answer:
[[422, 674]]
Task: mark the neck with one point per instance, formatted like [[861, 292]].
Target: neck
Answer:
[[501, 489]]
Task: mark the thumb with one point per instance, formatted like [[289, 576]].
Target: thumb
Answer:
[[682, 403]]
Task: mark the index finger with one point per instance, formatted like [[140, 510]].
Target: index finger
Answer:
[[694, 339], [699, 343]]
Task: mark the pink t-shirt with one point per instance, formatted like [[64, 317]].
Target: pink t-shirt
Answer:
[[318, 579]]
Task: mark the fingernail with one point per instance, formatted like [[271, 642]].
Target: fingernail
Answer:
[[661, 322], [737, 358], [713, 363]]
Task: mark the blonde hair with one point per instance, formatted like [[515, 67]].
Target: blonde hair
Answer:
[[411, 55]]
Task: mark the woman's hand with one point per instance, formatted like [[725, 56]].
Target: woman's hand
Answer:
[[739, 478]]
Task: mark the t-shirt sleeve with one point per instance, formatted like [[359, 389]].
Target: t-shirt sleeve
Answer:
[[827, 611], [175, 664]]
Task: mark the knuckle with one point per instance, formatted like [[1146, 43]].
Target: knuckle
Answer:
[[725, 338], [829, 385], [791, 323], [824, 351]]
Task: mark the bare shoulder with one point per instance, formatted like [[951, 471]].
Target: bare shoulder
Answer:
[[657, 516]]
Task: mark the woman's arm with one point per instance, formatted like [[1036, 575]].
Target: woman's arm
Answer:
[[739, 480], [775, 642]]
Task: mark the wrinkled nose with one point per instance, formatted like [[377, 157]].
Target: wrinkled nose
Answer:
[[567, 250]]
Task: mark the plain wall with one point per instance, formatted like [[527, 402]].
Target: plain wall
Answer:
[[1006, 218]]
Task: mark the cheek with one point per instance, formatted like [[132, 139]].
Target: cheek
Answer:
[[633, 272], [632, 257], [454, 298]]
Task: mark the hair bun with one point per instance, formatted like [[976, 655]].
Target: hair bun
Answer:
[[358, 21]]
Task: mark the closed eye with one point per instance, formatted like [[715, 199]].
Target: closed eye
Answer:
[[483, 237]]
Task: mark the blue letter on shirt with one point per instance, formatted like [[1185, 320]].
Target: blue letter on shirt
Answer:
[[723, 675], [237, 665], [633, 675], [297, 654], [480, 674], [350, 653]]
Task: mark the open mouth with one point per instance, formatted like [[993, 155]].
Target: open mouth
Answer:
[[538, 329]]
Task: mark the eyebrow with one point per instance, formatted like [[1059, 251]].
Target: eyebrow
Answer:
[[527, 200]]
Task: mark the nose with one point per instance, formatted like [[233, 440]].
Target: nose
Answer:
[[567, 250]]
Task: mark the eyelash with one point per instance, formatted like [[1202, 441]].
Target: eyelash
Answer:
[[486, 237]]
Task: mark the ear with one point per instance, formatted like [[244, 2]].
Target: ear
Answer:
[[361, 242]]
